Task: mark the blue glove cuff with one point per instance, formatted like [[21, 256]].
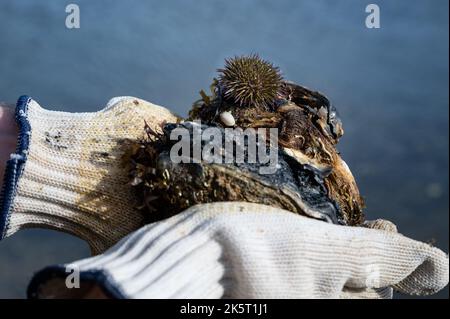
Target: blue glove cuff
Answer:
[[15, 164]]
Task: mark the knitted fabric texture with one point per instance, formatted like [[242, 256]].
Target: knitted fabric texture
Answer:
[[67, 173], [243, 250]]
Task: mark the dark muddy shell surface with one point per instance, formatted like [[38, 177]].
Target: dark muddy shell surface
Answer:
[[172, 187]]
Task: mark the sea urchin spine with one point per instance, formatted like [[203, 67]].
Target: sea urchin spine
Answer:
[[250, 81]]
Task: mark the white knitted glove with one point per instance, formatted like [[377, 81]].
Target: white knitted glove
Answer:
[[66, 173], [243, 250]]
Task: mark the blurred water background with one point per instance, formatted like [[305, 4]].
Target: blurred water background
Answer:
[[390, 86]]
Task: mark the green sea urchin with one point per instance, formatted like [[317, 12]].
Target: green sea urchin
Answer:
[[250, 81]]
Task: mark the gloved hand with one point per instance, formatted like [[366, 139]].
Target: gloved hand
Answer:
[[66, 173], [243, 250]]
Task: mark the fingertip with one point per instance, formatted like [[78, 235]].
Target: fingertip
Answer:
[[2, 110], [7, 121]]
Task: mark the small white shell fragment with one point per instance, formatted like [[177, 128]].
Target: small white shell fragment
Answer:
[[227, 118]]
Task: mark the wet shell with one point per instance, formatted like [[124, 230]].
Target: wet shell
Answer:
[[309, 128], [170, 188]]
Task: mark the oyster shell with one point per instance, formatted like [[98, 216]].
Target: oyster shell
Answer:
[[309, 130], [312, 178], [170, 187]]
